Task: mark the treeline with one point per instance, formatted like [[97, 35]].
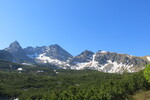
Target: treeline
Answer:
[[71, 85], [113, 89]]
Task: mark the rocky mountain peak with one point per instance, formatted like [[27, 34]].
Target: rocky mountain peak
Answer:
[[54, 54], [84, 56], [14, 47], [18, 53], [55, 46], [15, 44], [57, 52], [48, 53], [87, 53]]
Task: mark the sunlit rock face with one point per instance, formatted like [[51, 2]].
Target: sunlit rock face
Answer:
[[104, 61]]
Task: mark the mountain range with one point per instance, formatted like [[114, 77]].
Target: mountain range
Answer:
[[104, 61]]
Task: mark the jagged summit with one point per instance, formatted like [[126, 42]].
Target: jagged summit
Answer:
[[105, 61], [14, 47], [87, 53], [55, 45], [46, 53], [18, 53], [84, 56], [15, 44]]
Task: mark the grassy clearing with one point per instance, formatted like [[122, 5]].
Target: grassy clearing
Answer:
[[141, 95]]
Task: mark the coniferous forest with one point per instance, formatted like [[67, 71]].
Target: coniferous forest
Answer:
[[74, 50], [46, 83]]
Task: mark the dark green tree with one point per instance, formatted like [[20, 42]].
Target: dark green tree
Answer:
[[147, 72]]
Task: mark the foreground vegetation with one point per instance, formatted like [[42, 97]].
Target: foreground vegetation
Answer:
[[68, 84], [141, 95], [71, 85]]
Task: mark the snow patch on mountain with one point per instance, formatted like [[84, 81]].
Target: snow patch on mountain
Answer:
[[26, 64], [105, 61], [79, 66], [45, 59], [19, 69], [109, 67], [114, 67], [103, 52], [92, 64], [148, 58], [130, 56]]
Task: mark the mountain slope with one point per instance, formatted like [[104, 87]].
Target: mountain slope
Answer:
[[85, 56], [104, 61], [49, 54], [147, 58], [18, 53], [110, 62], [5, 55]]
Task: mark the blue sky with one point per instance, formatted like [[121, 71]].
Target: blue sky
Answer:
[[121, 26]]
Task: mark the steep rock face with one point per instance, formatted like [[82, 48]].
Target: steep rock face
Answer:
[[18, 53], [85, 56], [58, 52], [14, 48], [105, 61], [110, 62], [5, 55], [102, 58], [49, 54]]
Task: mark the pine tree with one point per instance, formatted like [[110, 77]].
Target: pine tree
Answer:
[[147, 72]]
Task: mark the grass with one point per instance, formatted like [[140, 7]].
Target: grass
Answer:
[[141, 95]]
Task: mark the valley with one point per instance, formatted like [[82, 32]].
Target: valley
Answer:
[[45, 83], [51, 73]]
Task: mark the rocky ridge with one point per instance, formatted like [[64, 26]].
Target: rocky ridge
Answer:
[[105, 61]]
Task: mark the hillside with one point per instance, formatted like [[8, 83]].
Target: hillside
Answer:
[[70, 85]]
